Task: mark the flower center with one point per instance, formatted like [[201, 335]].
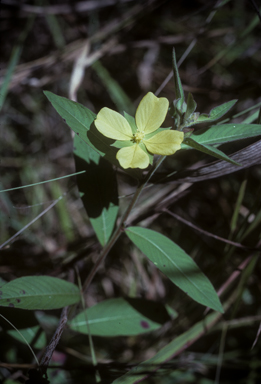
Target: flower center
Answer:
[[138, 136]]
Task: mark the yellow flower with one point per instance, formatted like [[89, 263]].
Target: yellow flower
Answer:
[[139, 139]]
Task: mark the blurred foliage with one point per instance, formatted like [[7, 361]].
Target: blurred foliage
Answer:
[[133, 42]]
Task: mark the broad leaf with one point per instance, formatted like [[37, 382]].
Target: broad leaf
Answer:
[[209, 150], [121, 317], [170, 259], [38, 292], [98, 189]]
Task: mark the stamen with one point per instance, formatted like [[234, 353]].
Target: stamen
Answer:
[[138, 137]]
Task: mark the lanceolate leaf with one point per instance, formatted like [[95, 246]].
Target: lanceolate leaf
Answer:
[[116, 92], [121, 317], [209, 150], [259, 116], [215, 113], [176, 265], [98, 189], [248, 156], [224, 133], [178, 86], [191, 106], [80, 119], [38, 292]]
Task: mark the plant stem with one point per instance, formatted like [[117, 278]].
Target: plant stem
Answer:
[[121, 225]]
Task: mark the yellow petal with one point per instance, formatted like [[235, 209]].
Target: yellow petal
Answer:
[[113, 125], [164, 143], [132, 157], [151, 113]]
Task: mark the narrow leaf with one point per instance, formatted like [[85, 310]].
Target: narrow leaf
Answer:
[[259, 116], [14, 59], [38, 292], [215, 113], [221, 110], [225, 133], [170, 259], [116, 92], [191, 106], [209, 150], [121, 317], [178, 85]]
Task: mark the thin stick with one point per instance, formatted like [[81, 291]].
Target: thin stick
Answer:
[[49, 350]]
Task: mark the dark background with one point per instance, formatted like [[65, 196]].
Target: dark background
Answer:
[[40, 42]]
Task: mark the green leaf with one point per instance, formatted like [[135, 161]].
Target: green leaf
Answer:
[[215, 113], [121, 317], [116, 92], [224, 133], [170, 259], [178, 85], [98, 185], [131, 121], [259, 116], [29, 334], [122, 144], [80, 119], [251, 118], [38, 292], [191, 106], [14, 59], [98, 189], [103, 225], [209, 150], [149, 135], [144, 148]]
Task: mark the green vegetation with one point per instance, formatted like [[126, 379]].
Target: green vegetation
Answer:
[[149, 271]]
